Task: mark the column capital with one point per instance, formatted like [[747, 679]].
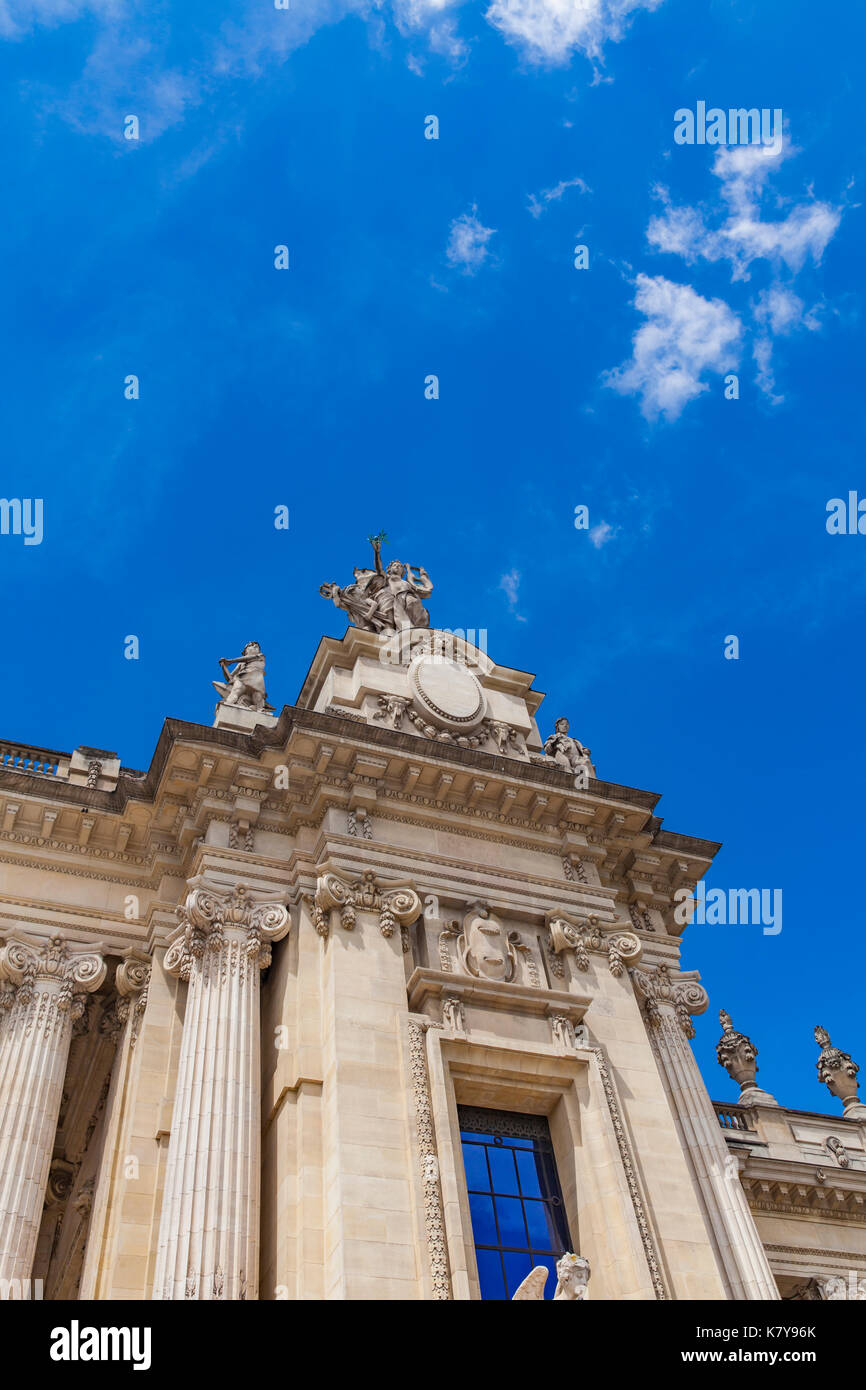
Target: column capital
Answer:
[[36, 965], [211, 915], [672, 992], [397, 903], [582, 933]]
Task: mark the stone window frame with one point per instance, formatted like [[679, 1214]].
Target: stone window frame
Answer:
[[606, 1208]]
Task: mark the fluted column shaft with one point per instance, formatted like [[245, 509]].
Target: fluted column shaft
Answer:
[[209, 1232], [669, 1002], [43, 995]]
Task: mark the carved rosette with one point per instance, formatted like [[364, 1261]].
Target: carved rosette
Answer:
[[581, 935], [397, 905], [236, 927], [678, 996]]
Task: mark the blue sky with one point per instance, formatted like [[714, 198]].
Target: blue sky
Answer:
[[558, 387]]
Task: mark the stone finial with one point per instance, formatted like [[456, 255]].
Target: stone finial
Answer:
[[838, 1073], [738, 1055]]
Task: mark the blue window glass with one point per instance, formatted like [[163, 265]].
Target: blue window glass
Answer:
[[518, 1217]]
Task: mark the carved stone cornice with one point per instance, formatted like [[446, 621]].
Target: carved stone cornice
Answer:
[[397, 904], [210, 918], [677, 993], [581, 934]]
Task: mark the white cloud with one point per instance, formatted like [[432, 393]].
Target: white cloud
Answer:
[[510, 586], [684, 337], [551, 31], [433, 18], [762, 351], [602, 533], [780, 313], [467, 242], [537, 204], [737, 232], [742, 236]]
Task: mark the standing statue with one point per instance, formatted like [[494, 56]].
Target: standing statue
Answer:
[[383, 599], [569, 752], [245, 685], [572, 1273]]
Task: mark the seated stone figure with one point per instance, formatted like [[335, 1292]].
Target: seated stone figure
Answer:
[[245, 685]]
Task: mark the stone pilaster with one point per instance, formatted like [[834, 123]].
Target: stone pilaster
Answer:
[[669, 1000], [44, 995], [209, 1233]]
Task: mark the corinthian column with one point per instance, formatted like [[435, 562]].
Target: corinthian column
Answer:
[[42, 996], [209, 1233], [669, 1002]]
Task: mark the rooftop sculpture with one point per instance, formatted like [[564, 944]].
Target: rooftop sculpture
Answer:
[[244, 686], [383, 599]]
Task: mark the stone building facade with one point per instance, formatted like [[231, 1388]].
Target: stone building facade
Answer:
[[260, 1002]]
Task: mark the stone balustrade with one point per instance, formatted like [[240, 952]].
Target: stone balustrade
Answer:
[[732, 1116], [38, 762]]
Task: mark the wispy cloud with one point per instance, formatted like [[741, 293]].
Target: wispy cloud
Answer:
[[602, 533], [133, 45], [684, 337], [20, 17], [510, 586], [467, 242], [538, 203]]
